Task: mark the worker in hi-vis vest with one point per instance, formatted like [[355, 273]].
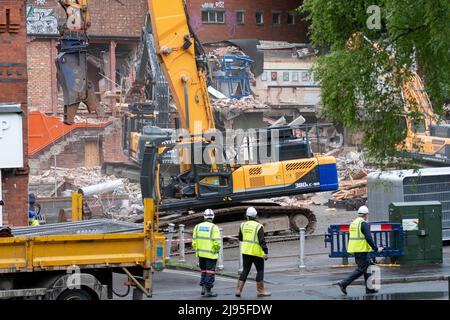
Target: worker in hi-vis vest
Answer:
[[254, 251], [206, 242], [360, 244]]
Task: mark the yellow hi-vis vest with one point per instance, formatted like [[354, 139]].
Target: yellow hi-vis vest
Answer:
[[33, 222], [206, 240], [250, 241], [357, 242]]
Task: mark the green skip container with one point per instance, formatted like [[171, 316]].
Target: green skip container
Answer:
[[422, 225]]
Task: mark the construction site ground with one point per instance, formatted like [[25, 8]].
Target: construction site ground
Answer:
[[316, 281]]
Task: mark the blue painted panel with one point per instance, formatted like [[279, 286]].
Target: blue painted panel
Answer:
[[328, 177]]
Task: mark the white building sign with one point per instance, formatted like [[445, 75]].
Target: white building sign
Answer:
[[11, 140]]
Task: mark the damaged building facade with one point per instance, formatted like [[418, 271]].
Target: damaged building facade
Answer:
[[286, 83], [114, 36]]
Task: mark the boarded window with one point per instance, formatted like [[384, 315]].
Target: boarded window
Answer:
[[306, 76], [274, 76], [264, 76], [91, 153]]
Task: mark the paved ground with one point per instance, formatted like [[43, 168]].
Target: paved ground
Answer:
[[183, 285], [317, 281]]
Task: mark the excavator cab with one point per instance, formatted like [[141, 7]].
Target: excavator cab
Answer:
[[246, 173]]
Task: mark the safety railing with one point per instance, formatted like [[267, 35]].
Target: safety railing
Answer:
[[388, 235], [177, 248]]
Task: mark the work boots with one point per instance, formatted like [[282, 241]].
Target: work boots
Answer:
[[342, 287], [371, 291], [239, 287], [260, 291], [209, 293]]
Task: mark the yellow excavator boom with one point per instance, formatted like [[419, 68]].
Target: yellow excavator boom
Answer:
[[181, 56]]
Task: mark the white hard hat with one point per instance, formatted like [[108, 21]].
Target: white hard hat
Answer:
[[363, 210], [251, 212], [208, 214]]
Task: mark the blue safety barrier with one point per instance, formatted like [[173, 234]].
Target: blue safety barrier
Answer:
[[385, 234]]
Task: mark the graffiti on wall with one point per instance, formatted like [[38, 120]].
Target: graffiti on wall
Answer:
[[229, 17], [213, 5], [196, 23], [41, 21], [231, 22], [41, 2]]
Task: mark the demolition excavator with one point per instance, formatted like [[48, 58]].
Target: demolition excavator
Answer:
[[203, 171], [427, 139]]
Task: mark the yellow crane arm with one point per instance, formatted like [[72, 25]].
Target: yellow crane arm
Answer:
[[416, 97], [177, 49]]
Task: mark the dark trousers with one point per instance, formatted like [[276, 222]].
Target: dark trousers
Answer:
[[363, 262], [247, 265], [208, 269]]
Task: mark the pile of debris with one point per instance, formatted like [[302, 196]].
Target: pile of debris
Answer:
[[225, 51], [351, 190], [65, 181], [353, 173], [231, 108], [104, 195]]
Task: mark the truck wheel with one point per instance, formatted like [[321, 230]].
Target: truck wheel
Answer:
[[75, 294]]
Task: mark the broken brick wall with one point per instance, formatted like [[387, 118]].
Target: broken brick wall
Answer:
[[40, 69], [112, 145], [13, 88], [73, 156], [81, 148], [112, 20]]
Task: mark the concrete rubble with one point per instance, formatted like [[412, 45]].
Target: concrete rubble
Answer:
[[352, 175], [231, 108], [70, 180]]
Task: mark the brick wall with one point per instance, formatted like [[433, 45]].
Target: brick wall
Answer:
[[13, 88], [231, 30], [112, 145], [109, 17], [119, 18], [39, 75], [71, 157]]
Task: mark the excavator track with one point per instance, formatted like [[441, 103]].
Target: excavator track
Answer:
[[299, 217]]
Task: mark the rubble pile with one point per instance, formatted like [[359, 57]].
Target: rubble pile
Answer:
[[226, 51], [230, 108], [73, 179], [352, 175], [297, 201]]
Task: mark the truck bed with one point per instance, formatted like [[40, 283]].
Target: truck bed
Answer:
[[86, 244]]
